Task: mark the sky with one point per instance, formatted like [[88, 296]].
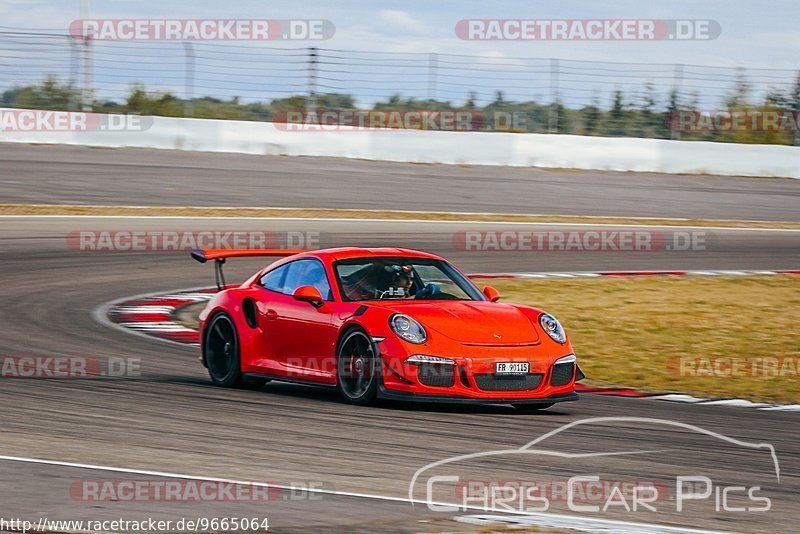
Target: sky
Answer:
[[760, 34]]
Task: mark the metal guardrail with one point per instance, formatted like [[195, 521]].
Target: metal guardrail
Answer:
[[254, 72]]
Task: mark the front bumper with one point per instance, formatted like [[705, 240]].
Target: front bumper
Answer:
[[473, 378], [389, 394]]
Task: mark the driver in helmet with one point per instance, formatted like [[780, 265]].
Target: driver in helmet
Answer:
[[405, 282], [402, 281]]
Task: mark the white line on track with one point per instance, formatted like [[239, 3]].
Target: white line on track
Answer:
[[395, 221], [540, 518]]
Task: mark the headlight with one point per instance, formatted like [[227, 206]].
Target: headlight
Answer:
[[553, 328], [407, 328]]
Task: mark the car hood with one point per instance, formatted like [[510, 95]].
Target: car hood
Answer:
[[471, 322]]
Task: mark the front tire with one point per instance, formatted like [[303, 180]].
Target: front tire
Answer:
[[357, 368]]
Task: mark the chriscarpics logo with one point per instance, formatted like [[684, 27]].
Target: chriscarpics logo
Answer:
[[512, 480]]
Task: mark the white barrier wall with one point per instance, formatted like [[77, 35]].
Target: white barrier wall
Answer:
[[475, 148]]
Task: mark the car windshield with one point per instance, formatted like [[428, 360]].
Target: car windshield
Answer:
[[402, 278]]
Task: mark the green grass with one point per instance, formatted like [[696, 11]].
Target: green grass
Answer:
[[626, 330]]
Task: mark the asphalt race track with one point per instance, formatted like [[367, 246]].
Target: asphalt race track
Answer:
[[171, 420], [78, 175]]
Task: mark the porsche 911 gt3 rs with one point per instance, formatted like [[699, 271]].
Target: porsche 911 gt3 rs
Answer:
[[382, 322]]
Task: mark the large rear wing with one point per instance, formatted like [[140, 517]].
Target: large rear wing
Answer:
[[219, 255]]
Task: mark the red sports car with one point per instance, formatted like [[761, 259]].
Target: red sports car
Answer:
[[382, 322]]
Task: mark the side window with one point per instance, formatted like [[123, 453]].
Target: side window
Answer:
[[274, 280], [307, 273]]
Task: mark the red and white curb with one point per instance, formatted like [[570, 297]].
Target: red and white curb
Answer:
[[681, 397], [155, 315], [596, 274], [738, 403]]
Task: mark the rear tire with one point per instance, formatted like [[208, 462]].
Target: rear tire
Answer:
[[357, 368], [532, 408], [221, 351]]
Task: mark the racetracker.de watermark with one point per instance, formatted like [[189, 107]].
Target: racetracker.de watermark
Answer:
[[735, 366], [33, 367], [453, 120], [169, 490], [32, 120], [556, 240], [733, 120], [202, 29], [185, 240], [587, 29]]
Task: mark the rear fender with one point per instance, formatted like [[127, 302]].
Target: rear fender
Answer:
[[233, 302]]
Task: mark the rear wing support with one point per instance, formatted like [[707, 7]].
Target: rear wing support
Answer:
[[219, 276], [220, 254]]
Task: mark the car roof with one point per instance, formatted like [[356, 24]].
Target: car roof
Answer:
[[330, 255], [346, 253]]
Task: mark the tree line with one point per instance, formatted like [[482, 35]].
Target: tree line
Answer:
[[680, 118]]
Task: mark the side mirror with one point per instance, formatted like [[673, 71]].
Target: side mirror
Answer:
[[491, 293], [309, 294]]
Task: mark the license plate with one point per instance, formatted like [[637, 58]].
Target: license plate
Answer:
[[511, 368]]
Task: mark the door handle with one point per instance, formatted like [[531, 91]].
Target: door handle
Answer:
[[271, 314]]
